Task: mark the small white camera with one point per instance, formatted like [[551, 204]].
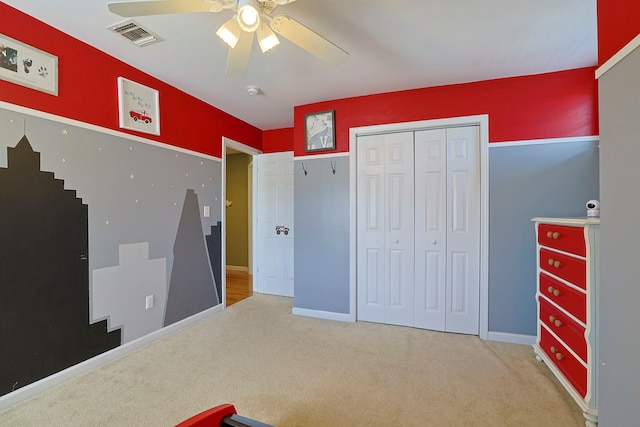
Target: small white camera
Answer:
[[593, 208]]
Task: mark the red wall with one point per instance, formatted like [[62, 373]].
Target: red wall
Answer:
[[618, 24], [89, 94], [277, 140], [561, 104]]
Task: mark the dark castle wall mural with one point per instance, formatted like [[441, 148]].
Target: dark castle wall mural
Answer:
[[93, 224], [44, 279]]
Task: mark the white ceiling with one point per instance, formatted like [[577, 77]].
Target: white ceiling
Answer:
[[392, 45]]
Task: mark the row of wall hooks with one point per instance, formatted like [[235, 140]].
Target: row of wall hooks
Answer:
[[333, 167]]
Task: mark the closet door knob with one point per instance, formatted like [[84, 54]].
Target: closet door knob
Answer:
[[396, 241], [435, 242]]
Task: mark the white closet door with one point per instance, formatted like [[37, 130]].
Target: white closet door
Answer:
[[448, 230], [431, 228], [385, 228], [463, 236]]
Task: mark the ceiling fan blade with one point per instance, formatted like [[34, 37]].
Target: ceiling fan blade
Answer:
[[308, 39], [162, 7], [238, 59]]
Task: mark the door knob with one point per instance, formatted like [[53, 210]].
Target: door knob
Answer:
[[397, 241]]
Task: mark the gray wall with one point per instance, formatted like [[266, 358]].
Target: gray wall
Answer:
[[524, 181], [135, 194], [527, 181], [619, 378], [321, 247]]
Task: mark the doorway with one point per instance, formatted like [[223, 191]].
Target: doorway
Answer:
[[238, 219]]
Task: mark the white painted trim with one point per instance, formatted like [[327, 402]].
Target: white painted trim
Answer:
[[592, 138], [58, 378], [511, 338], [618, 57], [321, 156], [320, 314], [83, 125], [483, 122], [237, 268]]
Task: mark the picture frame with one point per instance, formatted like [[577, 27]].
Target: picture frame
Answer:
[[27, 66], [138, 107], [320, 131]]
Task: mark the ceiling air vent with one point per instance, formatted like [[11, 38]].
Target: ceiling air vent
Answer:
[[135, 33]]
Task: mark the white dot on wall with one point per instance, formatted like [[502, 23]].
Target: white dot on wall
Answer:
[[130, 148], [64, 160], [11, 121], [99, 148], [186, 174], [175, 204], [107, 222], [201, 162], [136, 200], [65, 132], [132, 176], [202, 185]]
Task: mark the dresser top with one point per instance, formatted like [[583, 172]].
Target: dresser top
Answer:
[[568, 221]]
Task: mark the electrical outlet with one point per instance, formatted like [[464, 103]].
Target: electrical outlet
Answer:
[[207, 211], [149, 301]]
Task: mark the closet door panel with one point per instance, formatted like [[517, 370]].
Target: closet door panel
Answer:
[[430, 228], [463, 237]]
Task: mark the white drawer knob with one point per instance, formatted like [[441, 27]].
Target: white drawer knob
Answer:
[[558, 323], [556, 292], [559, 356], [550, 234], [557, 264], [556, 235], [552, 318]]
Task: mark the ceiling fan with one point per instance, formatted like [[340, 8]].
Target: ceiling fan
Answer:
[[250, 16]]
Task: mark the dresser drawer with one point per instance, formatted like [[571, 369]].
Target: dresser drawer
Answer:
[[571, 269], [564, 327], [562, 237], [572, 300], [570, 367]]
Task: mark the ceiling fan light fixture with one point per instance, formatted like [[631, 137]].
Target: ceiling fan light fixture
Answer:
[[248, 15], [230, 32], [266, 38]]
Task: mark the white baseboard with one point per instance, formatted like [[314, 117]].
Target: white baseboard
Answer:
[[237, 268], [511, 338], [319, 314], [58, 378]]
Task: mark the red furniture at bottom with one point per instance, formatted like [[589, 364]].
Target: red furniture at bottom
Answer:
[[210, 417]]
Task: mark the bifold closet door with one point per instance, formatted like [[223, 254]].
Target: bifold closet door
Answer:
[[385, 220], [447, 229]]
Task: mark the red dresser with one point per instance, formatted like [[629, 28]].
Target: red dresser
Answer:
[[567, 259]]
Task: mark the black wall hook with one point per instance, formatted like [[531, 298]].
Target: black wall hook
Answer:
[[304, 169], [333, 167]]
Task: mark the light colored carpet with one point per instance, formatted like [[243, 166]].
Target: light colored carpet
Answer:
[[289, 370]]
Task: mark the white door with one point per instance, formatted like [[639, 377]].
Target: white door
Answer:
[[463, 230], [448, 229], [418, 255], [431, 228], [275, 213], [385, 228]]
